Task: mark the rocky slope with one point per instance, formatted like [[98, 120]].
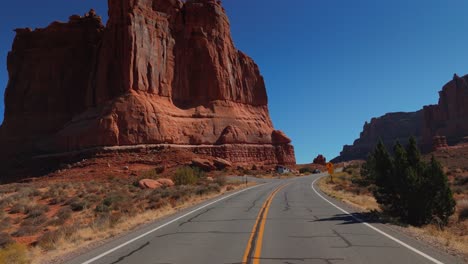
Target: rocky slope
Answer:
[[434, 126], [159, 72]]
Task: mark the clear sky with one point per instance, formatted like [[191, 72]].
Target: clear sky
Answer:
[[329, 65]]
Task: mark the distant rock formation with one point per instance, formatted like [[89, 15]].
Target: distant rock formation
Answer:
[[435, 126], [390, 128], [159, 72], [321, 160], [449, 118]]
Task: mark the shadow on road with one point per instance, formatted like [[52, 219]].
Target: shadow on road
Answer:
[[354, 218]]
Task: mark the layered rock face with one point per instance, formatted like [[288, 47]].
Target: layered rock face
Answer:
[[435, 126], [159, 72], [449, 118], [390, 128]]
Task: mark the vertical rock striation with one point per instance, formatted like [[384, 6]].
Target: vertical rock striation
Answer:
[[159, 72]]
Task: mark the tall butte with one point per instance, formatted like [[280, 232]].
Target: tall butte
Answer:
[[159, 72]]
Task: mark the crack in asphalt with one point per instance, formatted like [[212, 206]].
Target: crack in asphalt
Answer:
[[254, 202], [286, 207], [348, 243], [131, 253], [196, 216]]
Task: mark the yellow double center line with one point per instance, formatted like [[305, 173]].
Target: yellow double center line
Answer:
[[254, 246]]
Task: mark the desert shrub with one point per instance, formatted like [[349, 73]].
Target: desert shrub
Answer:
[[26, 230], [7, 201], [36, 210], [463, 210], [102, 208], [101, 221], [14, 254], [214, 187], [49, 240], [187, 176], [117, 200], [115, 218], [165, 193], [461, 180], [406, 187], [157, 205], [149, 174], [5, 223], [26, 192], [76, 204], [56, 195], [229, 188], [201, 190], [61, 217], [154, 196], [5, 240], [34, 221], [91, 198], [458, 189], [19, 207], [305, 170], [221, 180]]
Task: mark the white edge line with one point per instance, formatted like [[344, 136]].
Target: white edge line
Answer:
[[375, 228], [164, 225]]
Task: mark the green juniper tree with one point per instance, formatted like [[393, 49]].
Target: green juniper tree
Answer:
[[407, 187]]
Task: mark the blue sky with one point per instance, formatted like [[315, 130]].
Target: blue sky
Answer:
[[329, 65]]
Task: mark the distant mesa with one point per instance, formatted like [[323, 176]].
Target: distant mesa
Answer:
[[159, 72], [434, 127]]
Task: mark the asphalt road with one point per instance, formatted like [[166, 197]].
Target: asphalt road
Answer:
[[281, 221]]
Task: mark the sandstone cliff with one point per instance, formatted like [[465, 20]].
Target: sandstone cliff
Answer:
[[449, 118], [435, 126], [159, 72], [390, 128]]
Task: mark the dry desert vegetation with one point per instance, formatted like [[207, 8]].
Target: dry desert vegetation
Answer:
[[453, 238], [43, 221]]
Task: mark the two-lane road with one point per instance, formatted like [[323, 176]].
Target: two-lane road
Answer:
[[281, 221]]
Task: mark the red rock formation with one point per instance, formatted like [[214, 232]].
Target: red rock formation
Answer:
[[321, 160], [390, 128], [436, 126], [449, 117], [439, 142], [160, 72]]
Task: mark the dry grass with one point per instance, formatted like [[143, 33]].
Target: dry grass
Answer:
[[462, 208], [58, 244], [341, 189], [14, 254], [453, 238]]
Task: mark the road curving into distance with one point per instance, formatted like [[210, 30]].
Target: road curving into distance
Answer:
[[280, 221]]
